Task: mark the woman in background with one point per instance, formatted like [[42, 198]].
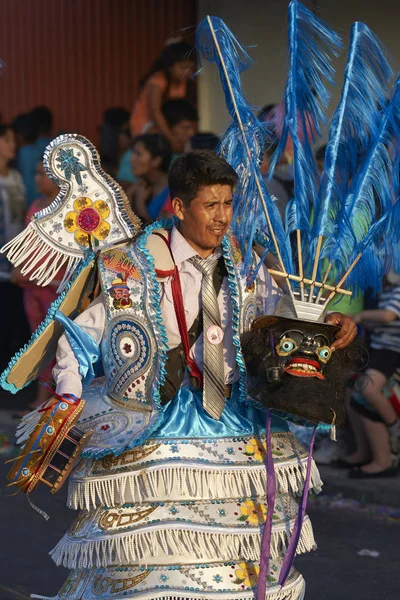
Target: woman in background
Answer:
[[150, 161], [37, 299], [169, 78], [14, 329]]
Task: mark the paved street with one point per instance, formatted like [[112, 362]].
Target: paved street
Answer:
[[334, 572]]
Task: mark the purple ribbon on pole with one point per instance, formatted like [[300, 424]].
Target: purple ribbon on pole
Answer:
[[266, 538], [294, 538]]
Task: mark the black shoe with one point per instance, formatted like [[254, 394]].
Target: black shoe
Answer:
[[358, 473]]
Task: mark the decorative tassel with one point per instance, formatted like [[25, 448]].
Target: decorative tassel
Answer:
[[161, 541], [37, 509], [89, 492]]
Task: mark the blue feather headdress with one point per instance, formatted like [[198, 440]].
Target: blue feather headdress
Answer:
[[312, 46], [243, 146], [345, 221]]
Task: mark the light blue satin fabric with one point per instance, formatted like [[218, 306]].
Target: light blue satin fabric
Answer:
[[86, 350], [185, 417]]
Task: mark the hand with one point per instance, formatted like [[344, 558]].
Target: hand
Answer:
[[357, 318], [347, 332]]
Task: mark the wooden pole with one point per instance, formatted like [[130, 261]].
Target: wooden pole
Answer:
[[345, 276], [300, 258], [321, 291], [317, 284], [272, 233], [315, 267]]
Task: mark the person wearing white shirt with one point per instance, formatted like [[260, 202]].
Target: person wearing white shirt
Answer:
[[175, 508]]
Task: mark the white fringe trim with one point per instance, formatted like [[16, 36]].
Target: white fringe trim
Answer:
[[29, 248], [27, 426], [185, 483], [161, 543], [293, 591]]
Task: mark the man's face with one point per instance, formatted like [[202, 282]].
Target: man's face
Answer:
[[205, 221], [182, 132]]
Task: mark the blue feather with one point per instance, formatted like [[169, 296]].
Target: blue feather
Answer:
[[249, 220], [366, 222], [312, 45], [367, 76]]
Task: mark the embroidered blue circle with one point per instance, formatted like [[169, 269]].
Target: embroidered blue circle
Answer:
[[63, 406], [130, 349], [50, 430], [25, 472]]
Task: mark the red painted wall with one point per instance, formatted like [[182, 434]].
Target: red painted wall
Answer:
[[80, 57]]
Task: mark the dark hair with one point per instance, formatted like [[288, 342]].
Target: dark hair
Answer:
[[320, 153], [25, 126], [158, 146], [173, 53], [115, 117], [178, 110], [204, 141], [198, 169], [43, 119], [4, 127], [264, 112]]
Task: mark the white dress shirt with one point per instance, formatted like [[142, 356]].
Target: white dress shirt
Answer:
[[92, 320]]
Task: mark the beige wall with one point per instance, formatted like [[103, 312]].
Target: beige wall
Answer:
[[263, 23]]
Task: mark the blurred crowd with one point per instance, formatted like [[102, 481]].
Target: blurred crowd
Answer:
[[137, 148]]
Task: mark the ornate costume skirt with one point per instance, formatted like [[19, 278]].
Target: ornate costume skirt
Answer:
[[182, 518]]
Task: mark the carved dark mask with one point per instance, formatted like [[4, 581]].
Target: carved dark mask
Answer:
[[295, 370], [300, 349]]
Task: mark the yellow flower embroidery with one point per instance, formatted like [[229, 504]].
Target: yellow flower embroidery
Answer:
[[253, 512], [256, 449], [88, 218], [247, 574]]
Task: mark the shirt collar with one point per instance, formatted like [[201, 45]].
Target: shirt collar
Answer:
[[182, 250]]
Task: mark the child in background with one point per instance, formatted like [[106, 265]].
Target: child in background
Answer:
[[181, 118], [151, 160], [37, 299], [383, 434], [169, 78]]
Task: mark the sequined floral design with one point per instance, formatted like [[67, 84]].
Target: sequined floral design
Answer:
[[255, 449], [88, 218], [247, 574], [253, 512], [70, 164]]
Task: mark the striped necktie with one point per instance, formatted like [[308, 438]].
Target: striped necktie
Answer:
[[213, 358]]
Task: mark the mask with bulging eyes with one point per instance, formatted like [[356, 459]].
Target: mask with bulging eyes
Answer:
[[293, 368]]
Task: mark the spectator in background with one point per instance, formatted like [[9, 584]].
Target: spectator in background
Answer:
[[181, 118], [12, 213], [383, 433], [37, 299], [281, 184], [43, 120], [114, 138], [205, 141], [27, 155], [169, 78], [151, 159]]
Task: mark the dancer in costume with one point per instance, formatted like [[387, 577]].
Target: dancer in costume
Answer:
[[172, 484], [174, 475]]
